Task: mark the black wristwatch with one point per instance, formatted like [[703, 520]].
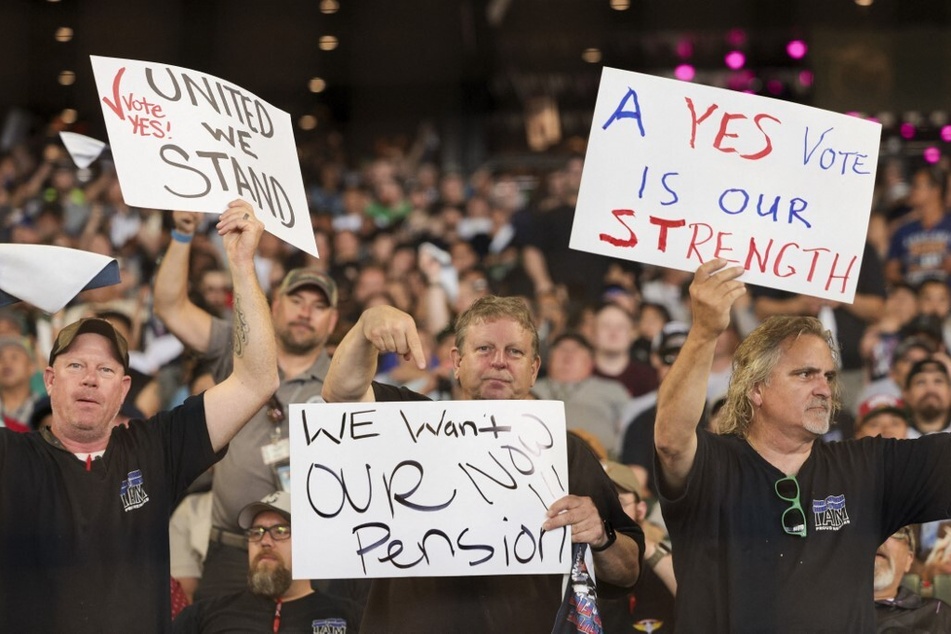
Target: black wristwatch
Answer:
[[612, 537]]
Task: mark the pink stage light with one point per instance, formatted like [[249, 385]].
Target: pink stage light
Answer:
[[735, 60], [946, 133], [932, 154], [907, 130], [805, 78], [797, 49], [685, 72]]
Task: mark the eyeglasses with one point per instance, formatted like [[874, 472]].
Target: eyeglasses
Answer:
[[275, 411], [794, 518], [278, 532]]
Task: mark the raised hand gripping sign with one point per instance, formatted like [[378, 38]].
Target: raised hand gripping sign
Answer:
[[185, 140], [415, 489], [678, 173]]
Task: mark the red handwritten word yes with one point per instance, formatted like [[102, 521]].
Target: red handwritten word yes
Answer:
[[144, 115]]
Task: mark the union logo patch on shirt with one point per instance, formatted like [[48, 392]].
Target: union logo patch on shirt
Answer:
[[132, 492], [830, 514], [329, 626]]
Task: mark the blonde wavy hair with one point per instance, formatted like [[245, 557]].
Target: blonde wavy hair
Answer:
[[754, 360]]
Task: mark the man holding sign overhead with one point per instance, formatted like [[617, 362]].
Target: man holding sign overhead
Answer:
[[774, 531], [495, 357], [85, 504]]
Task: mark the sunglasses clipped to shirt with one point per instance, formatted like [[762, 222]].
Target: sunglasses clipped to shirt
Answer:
[[794, 518]]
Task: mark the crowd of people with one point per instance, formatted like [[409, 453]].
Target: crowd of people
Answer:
[[416, 260]]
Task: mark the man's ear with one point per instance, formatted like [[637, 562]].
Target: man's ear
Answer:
[[756, 394]]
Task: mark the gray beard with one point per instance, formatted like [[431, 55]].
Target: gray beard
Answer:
[[884, 576], [271, 583]]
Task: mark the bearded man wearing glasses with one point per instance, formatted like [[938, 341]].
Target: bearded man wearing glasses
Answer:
[[774, 529]]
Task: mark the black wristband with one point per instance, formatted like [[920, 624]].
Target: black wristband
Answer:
[[612, 537]]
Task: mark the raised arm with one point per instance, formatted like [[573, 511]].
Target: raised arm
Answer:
[[181, 316], [683, 392], [231, 403], [379, 329]]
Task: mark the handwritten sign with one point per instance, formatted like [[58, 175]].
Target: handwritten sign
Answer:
[[185, 140], [678, 173], [427, 489]]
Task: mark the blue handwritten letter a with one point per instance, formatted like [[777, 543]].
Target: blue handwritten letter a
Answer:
[[622, 113]]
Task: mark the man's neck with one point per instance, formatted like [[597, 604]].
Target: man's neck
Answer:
[[785, 453], [932, 425], [293, 365], [298, 590], [611, 363], [13, 397], [79, 446]]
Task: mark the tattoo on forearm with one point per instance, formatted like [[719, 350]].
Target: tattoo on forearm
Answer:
[[241, 328]]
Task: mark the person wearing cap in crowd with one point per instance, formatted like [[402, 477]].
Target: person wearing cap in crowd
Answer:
[[272, 600], [897, 608], [883, 416], [637, 448], [928, 397], [17, 398], [649, 607], [85, 503], [591, 403], [495, 357], [304, 314], [774, 529]]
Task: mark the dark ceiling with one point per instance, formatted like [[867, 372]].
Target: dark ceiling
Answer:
[[471, 65]]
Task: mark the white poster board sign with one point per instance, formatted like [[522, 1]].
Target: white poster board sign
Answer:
[[677, 174], [184, 140], [417, 488]]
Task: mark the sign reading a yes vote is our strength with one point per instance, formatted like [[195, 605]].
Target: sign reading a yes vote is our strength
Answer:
[[185, 140], [408, 489], [677, 174]]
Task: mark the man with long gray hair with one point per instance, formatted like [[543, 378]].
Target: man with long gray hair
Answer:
[[774, 529]]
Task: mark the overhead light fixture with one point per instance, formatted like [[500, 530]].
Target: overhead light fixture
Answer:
[[68, 116], [63, 34], [328, 43], [591, 55], [316, 84], [329, 6], [620, 5], [67, 78], [307, 122]]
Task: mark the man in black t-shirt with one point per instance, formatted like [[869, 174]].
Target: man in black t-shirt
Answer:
[[273, 600], [495, 357], [774, 529], [85, 503]]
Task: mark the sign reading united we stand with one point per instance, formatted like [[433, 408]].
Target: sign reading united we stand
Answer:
[[678, 173], [186, 140]]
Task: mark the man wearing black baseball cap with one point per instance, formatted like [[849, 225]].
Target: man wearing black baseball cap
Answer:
[[928, 396], [85, 502], [304, 314]]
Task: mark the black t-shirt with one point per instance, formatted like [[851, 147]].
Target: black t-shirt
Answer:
[[87, 551], [499, 603], [648, 608], [738, 571], [247, 612]]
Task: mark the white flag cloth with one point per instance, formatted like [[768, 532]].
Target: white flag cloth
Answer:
[[48, 277], [83, 149]]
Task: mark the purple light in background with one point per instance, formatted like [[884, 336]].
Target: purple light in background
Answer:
[[684, 49], [805, 78], [736, 37], [946, 133], [774, 87], [797, 49], [735, 60], [685, 72], [907, 130], [932, 154]]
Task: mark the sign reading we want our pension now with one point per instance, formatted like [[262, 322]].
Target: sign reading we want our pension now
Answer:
[[677, 174], [188, 141], [418, 488]]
